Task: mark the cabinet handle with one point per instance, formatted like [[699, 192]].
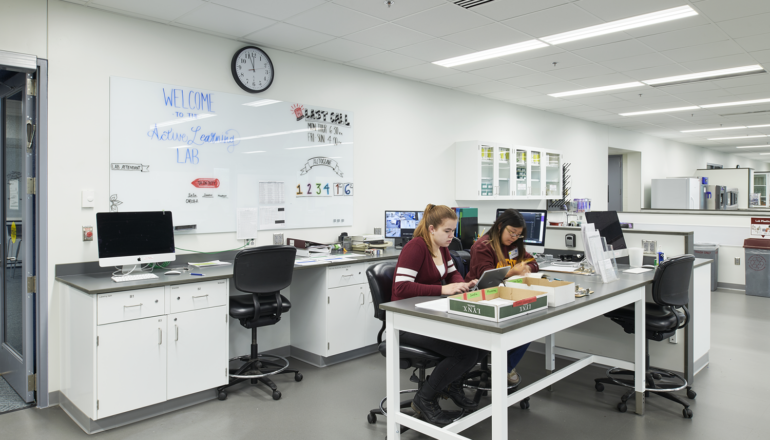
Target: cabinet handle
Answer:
[[135, 305], [176, 332], [199, 296], [362, 298], [160, 337]]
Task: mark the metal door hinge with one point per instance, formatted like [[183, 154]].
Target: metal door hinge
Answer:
[[31, 87], [31, 284], [32, 382], [30, 185]]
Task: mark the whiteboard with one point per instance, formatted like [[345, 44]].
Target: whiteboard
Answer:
[[205, 156]]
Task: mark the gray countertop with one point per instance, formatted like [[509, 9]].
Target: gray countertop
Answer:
[[101, 282], [601, 290]]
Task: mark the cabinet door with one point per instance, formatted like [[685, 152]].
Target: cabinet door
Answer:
[[197, 351], [536, 175], [487, 175], [131, 365], [521, 187], [344, 317], [553, 175], [503, 172]]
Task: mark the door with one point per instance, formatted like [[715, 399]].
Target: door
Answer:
[[553, 176], [130, 365], [536, 174], [487, 164], [347, 309], [17, 336], [521, 188], [615, 183], [503, 172], [197, 351]]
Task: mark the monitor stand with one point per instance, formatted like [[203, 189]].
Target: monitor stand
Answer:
[[131, 268]]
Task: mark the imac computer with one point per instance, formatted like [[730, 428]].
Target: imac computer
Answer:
[[134, 238], [400, 225], [535, 219], [608, 225]]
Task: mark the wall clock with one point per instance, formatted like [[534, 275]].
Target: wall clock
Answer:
[[252, 69]]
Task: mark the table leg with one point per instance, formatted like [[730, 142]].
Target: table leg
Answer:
[[640, 336], [550, 357], [393, 371], [499, 366]]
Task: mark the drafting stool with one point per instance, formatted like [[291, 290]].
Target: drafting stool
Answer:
[[670, 289], [262, 272]]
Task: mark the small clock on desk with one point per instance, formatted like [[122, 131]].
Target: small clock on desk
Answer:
[[252, 69]]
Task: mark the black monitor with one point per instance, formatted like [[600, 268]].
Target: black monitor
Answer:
[[400, 225], [536, 221], [134, 238], [608, 225]]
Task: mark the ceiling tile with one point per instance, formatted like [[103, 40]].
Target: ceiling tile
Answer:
[[478, 65], [380, 10], [223, 20], [512, 94], [166, 10], [546, 64], [637, 62], [424, 72], [386, 62], [532, 54], [388, 36], [611, 10], [657, 72], [504, 71], [286, 36], [762, 56], [503, 10], [728, 10], [334, 19], [553, 21], [456, 80], [746, 26], [434, 50], [685, 37], [594, 100], [678, 89], [584, 71], [341, 50], [603, 80], [531, 80], [703, 51], [755, 43], [487, 87], [277, 10], [614, 51], [719, 63], [487, 37], [443, 20], [601, 40]]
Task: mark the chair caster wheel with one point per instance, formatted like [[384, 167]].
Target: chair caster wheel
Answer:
[[599, 386], [276, 395], [622, 407], [298, 377], [371, 418], [524, 404], [222, 395], [657, 376], [687, 413], [624, 398], [691, 394]]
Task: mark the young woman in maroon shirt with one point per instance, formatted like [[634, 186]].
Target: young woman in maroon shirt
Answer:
[[503, 246], [423, 264]]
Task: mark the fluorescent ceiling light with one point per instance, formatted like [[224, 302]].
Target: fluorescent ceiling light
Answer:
[[704, 76], [182, 120], [728, 104], [763, 154], [663, 110], [758, 126], [714, 129], [597, 89], [740, 137], [261, 102], [491, 53], [756, 146], [622, 25]]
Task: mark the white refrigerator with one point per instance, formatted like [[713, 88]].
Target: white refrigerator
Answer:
[[677, 193]]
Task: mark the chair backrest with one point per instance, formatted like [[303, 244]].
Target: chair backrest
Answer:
[[380, 277], [264, 269], [456, 244], [671, 285], [461, 263]]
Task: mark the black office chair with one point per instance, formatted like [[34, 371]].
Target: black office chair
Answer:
[[380, 278], [670, 289], [456, 244], [263, 272], [462, 261]]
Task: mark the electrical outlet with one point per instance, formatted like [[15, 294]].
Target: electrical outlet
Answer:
[[737, 261], [377, 231], [248, 242], [673, 339], [88, 233], [278, 239]]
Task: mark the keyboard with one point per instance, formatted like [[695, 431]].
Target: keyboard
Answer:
[[141, 276]]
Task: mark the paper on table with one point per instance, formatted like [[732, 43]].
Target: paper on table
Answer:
[[438, 305], [497, 302], [637, 270], [247, 223], [209, 263], [309, 262], [566, 269]]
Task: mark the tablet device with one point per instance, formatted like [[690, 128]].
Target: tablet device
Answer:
[[492, 278]]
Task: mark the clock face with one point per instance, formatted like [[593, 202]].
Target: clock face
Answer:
[[252, 69]]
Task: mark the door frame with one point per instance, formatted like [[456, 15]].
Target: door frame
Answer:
[[31, 64]]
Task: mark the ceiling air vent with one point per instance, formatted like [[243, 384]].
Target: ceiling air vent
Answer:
[[467, 4]]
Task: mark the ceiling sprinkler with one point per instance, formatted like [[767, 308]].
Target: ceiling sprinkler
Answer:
[[389, 2]]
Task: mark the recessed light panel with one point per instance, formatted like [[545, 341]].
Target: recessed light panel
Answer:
[[740, 137], [706, 76], [663, 110], [714, 129], [728, 104], [597, 89], [491, 53], [755, 146]]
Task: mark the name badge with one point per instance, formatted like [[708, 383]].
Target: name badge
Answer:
[[513, 254]]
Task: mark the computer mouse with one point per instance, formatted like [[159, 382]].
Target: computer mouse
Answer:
[[173, 272], [648, 266]]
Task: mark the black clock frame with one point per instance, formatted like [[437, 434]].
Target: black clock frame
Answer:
[[235, 74]]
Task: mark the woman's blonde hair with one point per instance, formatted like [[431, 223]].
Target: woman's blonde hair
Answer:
[[434, 215]]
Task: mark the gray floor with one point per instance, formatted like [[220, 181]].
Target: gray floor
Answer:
[[9, 400], [332, 403]]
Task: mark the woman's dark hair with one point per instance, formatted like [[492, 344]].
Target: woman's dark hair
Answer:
[[509, 217]]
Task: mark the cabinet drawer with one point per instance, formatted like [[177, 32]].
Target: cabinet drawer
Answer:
[[125, 306], [339, 276], [194, 296]]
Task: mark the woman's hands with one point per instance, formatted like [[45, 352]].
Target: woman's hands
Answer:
[[455, 288], [519, 269]]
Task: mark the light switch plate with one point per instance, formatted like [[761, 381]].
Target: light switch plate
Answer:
[[88, 199]]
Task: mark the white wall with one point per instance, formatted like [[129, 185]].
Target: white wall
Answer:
[[403, 139], [23, 26]]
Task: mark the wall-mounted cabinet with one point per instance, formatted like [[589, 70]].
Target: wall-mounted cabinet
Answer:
[[494, 171]]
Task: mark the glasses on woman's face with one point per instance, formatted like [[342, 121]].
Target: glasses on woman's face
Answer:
[[512, 234]]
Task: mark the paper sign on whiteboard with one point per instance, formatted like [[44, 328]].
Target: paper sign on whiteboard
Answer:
[[248, 226], [273, 217], [271, 193]]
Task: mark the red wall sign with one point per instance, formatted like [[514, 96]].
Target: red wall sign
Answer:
[[206, 183]]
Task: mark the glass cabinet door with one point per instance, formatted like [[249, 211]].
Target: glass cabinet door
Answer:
[[553, 176], [536, 174], [487, 171], [520, 189], [760, 187], [504, 172]]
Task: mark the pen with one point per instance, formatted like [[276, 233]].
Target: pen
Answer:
[[197, 274]]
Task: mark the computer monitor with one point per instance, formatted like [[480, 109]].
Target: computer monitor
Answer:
[[536, 221], [134, 238], [608, 225], [400, 225]]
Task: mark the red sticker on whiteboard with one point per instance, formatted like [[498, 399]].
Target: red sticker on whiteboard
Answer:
[[206, 183]]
